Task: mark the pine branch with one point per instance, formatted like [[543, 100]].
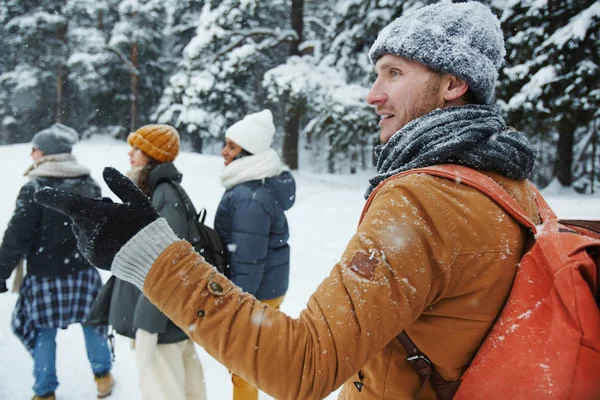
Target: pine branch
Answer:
[[130, 67], [274, 38]]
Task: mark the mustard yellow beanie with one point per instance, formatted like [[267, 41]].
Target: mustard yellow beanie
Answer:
[[160, 142]]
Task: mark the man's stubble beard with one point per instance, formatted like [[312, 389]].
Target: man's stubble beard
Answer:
[[428, 99]]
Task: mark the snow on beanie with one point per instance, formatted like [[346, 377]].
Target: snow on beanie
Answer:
[[57, 139], [462, 39], [160, 142], [254, 133]]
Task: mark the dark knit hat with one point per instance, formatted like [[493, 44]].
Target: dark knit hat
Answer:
[[57, 139], [462, 39], [160, 142]]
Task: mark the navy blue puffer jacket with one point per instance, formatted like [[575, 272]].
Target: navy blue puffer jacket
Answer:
[[252, 224]]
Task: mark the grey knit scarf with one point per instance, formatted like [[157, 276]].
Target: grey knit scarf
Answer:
[[471, 135]]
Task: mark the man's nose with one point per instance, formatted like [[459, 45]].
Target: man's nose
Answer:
[[376, 96]]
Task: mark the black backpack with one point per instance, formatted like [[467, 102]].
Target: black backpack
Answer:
[[206, 240]]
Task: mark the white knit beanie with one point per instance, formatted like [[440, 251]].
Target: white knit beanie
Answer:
[[254, 133], [462, 39]]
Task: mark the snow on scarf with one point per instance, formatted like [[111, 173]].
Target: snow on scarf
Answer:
[[471, 135]]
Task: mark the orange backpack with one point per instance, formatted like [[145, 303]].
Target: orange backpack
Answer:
[[545, 343]]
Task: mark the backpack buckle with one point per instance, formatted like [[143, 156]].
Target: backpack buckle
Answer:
[[417, 357]]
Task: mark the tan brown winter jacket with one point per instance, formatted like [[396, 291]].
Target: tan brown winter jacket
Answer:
[[432, 256]]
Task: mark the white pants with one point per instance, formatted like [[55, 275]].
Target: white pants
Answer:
[[168, 371]]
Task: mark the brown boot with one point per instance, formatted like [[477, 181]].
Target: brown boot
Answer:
[[48, 396], [104, 384]]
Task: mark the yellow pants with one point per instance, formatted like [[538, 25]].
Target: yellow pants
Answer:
[[242, 390]]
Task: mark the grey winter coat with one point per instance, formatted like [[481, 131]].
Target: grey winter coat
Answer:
[[129, 309]]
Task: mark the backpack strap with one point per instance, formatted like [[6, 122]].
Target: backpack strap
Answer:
[[190, 210], [593, 226], [484, 184], [444, 390]]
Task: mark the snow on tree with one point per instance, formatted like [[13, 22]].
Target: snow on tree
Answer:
[[106, 65], [91, 65], [550, 87], [218, 81], [331, 84], [138, 39], [36, 35]]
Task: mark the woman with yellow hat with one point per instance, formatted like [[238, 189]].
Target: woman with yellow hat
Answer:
[[168, 366]]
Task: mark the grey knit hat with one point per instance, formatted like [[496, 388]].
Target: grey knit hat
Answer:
[[57, 139], [462, 39]]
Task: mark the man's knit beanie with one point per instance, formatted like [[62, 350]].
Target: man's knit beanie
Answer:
[[254, 133], [160, 142], [462, 39], [57, 139]]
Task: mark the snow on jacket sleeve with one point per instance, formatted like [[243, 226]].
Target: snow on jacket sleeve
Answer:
[[250, 227], [383, 282], [18, 234]]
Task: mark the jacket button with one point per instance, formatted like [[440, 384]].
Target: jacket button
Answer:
[[201, 313], [216, 288]]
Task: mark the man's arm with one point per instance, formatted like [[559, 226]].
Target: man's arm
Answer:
[[17, 236], [379, 287]]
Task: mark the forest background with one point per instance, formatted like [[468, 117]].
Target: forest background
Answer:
[[109, 66]]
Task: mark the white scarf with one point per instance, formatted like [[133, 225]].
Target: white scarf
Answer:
[[251, 168], [134, 174], [56, 166]]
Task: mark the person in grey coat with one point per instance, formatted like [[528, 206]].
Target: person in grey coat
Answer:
[[168, 366], [251, 219]]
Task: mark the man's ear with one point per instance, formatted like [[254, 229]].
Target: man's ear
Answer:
[[454, 87]]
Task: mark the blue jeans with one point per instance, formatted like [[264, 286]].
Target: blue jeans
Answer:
[[44, 357]]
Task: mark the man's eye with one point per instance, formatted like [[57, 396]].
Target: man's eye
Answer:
[[394, 73]]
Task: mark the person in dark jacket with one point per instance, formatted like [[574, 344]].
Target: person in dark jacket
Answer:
[[60, 284], [250, 218], [168, 366]]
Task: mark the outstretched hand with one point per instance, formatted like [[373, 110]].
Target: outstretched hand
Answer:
[[101, 226]]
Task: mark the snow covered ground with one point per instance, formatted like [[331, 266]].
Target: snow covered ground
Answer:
[[321, 222]]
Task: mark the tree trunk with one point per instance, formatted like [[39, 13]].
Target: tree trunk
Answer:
[[133, 112], [293, 111], [60, 80], [564, 159], [61, 35], [594, 144], [197, 142]]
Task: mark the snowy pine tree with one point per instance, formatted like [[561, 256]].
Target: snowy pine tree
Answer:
[[331, 83], [32, 91], [550, 87], [91, 65], [219, 78], [138, 40]]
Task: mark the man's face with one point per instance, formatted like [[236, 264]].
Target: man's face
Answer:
[[404, 90]]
